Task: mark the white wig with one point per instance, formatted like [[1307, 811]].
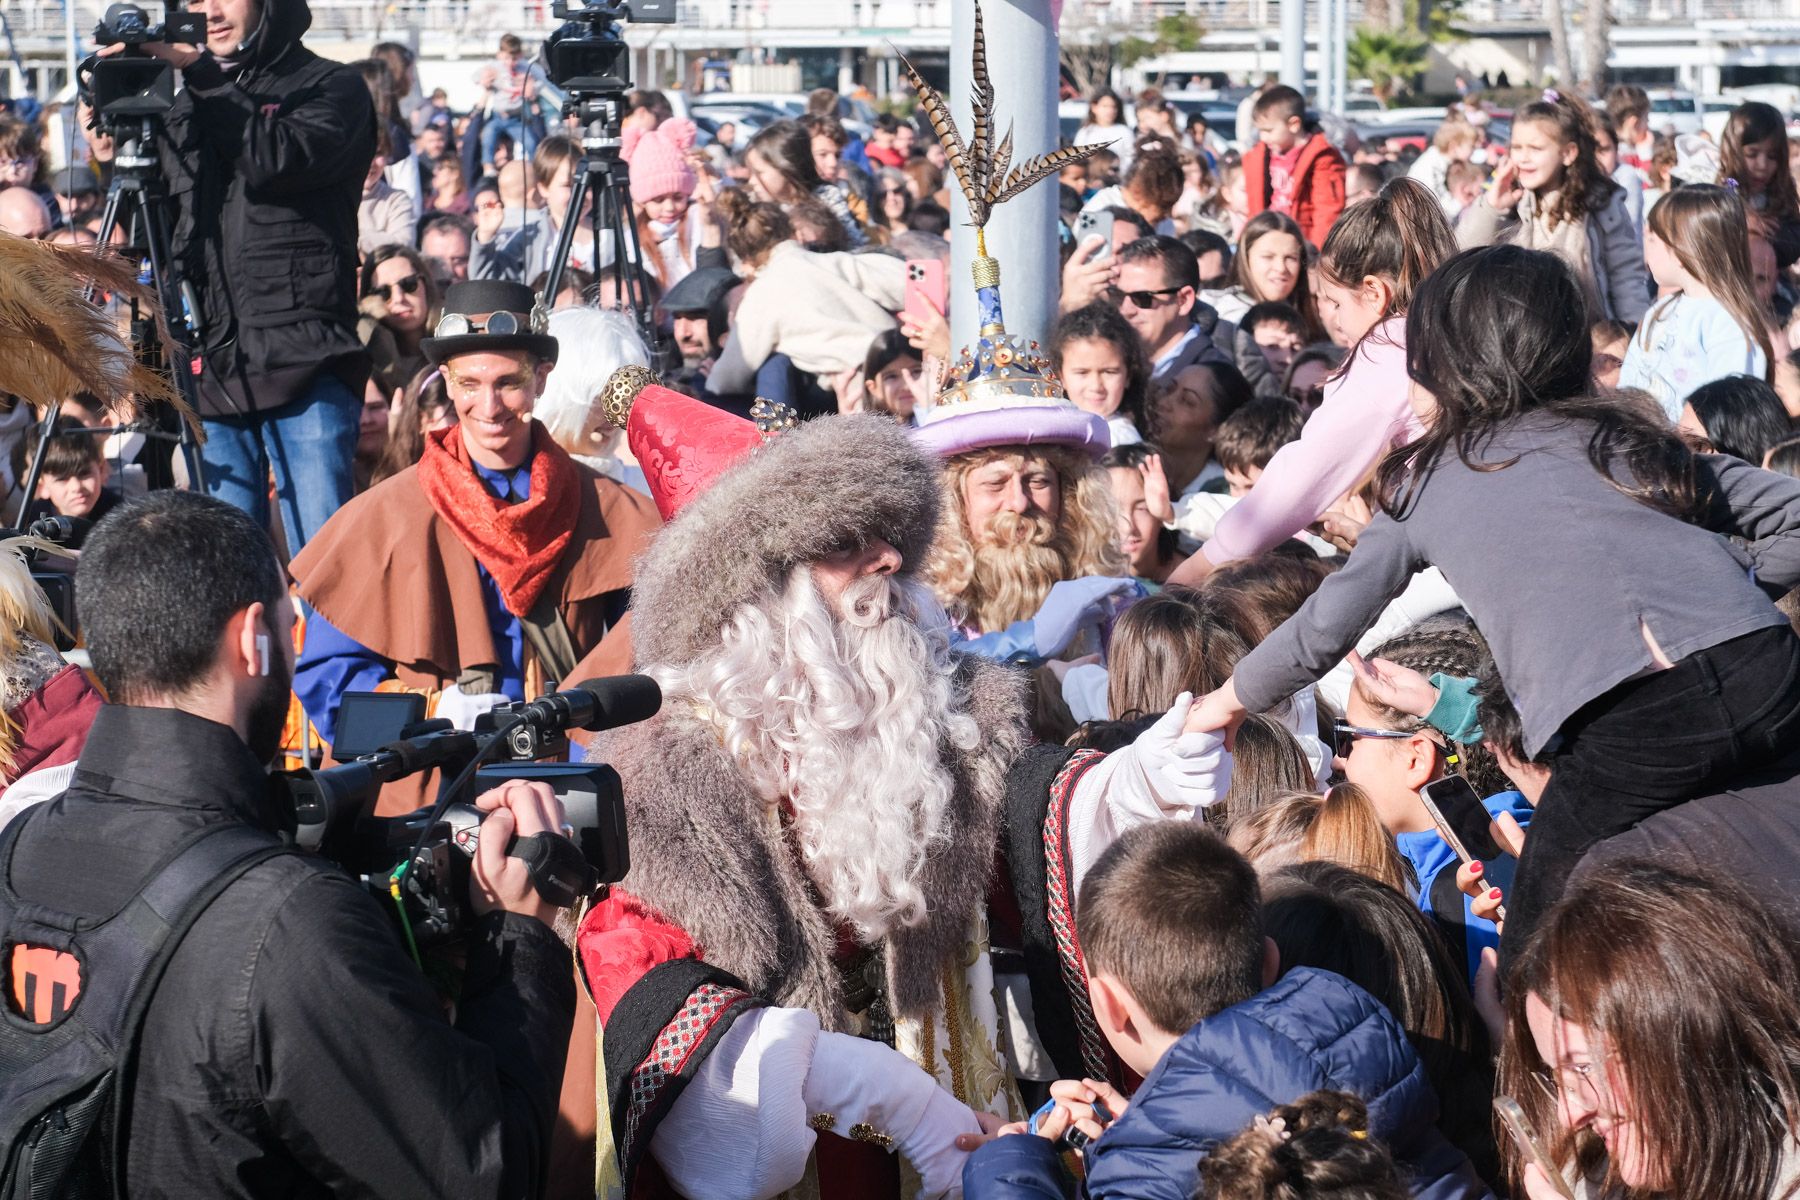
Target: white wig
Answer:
[[592, 343]]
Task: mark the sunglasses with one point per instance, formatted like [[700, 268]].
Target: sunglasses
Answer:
[[410, 285], [1344, 735], [1139, 299]]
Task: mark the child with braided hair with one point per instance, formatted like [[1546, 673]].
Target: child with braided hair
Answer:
[[1317, 1148]]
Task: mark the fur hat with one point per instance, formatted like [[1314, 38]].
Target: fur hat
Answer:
[[828, 483]]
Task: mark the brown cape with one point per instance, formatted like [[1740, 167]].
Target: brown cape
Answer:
[[390, 573]]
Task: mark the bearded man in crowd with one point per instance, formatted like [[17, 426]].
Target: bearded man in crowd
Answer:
[[1026, 552], [798, 959]]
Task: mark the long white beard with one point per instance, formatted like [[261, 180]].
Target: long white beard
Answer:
[[847, 719]]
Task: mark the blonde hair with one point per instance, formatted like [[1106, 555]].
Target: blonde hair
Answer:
[[1339, 827], [1085, 540]]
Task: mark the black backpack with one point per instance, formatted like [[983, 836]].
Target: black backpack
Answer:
[[77, 990]]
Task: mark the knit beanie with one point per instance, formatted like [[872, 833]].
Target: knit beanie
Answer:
[[658, 159]]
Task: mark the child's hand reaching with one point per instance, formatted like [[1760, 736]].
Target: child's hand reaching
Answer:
[[1507, 190], [1399, 688], [1156, 489], [1087, 1105]]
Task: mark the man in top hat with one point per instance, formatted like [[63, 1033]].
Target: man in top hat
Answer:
[[496, 568], [798, 960]]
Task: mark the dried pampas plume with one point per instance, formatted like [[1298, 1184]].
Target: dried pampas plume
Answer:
[[55, 342]]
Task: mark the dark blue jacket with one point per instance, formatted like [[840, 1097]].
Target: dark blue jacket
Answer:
[[1311, 1030]]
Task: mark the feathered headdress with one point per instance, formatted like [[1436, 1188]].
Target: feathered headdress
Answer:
[[1000, 391], [55, 341]]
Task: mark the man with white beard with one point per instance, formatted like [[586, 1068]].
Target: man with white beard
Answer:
[[793, 981]]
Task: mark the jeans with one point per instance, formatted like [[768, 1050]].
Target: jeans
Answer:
[[1652, 743], [514, 125], [310, 444]]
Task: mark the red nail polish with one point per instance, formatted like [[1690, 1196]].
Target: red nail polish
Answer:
[[1494, 895], [1475, 869]]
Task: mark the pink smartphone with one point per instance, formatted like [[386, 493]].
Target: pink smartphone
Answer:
[[926, 295]]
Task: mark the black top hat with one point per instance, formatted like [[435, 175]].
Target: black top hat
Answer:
[[483, 315]]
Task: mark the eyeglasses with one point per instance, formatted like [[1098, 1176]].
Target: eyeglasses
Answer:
[[500, 324], [1344, 735], [1139, 299], [410, 285], [1575, 1082], [19, 164]]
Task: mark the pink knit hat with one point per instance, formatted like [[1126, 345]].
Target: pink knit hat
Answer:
[[658, 159]]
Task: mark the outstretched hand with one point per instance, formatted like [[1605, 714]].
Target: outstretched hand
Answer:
[[1156, 489], [1217, 710], [1388, 683]]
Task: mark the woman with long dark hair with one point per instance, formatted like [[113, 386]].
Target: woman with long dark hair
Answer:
[[1653, 1039], [1636, 646], [782, 171]]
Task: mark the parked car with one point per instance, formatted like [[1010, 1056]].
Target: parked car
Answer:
[[1675, 111]]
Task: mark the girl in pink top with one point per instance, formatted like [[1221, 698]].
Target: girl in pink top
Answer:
[[1377, 253]]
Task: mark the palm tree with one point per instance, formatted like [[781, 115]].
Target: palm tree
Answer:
[[1390, 59], [1563, 62], [1596, 31]]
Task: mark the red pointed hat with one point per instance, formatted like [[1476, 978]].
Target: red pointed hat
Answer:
[[681, 443]]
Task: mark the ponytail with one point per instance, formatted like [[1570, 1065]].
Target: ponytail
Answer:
[[1400, 236]]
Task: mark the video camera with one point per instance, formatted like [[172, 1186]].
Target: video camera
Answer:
[[587, 56], [133, 84], [420, 861]]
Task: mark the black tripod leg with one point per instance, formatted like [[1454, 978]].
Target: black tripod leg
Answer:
[[156, 238], [565, 239]]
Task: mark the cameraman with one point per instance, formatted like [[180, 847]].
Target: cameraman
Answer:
[[292, 1047], [268, 145]]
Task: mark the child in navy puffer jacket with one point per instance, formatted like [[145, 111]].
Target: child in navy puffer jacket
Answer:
[[1170, 922]]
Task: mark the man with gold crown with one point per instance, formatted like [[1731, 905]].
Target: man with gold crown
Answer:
[[793, 983]]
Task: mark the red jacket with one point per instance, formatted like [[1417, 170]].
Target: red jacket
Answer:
[[1318, 185]]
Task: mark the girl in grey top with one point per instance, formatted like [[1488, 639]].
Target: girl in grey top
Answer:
[[1640, 645]]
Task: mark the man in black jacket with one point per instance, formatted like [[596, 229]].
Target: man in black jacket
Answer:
[[268, 148], [292, 1048]]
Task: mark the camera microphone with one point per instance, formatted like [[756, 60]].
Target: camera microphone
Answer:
[[597, 704]]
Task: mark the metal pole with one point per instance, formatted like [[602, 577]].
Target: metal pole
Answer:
[[1322, 77], [1293, 44], [69, 61], [1340, 57], [1022, 63]]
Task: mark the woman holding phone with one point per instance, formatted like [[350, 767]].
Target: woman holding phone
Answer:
[[1653, 1038]]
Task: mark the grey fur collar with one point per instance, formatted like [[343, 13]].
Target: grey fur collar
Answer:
[[705, 853]]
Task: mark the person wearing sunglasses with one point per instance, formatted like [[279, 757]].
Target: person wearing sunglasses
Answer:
[[1393, 754], [1156, 293], [399, 304]]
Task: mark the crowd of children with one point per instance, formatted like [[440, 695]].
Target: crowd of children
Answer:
[[1468, 472]]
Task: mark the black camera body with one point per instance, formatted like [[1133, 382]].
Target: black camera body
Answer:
[[417, 865], [588, 55], [133, 85]]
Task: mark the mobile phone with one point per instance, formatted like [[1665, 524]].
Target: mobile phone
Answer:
[[367, 721], [1098, 223], [926, 294], [1513, 1117], [1461, 818]]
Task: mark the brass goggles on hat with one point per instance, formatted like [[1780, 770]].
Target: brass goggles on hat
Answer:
[[499, 324]]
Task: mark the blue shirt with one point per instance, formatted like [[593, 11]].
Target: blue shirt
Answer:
[[1430, 854], [334, 662]]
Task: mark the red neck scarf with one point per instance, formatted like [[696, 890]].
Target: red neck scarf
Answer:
[[519, 544]]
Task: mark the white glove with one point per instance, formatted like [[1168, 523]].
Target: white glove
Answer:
[[461, 708], [1189, 769]]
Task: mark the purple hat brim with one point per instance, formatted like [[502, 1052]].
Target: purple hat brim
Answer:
[[950, 436]]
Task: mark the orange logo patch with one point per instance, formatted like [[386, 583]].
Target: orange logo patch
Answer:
[[45, 983]]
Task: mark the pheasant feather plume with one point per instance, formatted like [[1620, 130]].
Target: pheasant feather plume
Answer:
[[985, 175]]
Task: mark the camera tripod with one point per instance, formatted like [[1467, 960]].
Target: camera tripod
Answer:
[[603, 175], [138, 202]]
